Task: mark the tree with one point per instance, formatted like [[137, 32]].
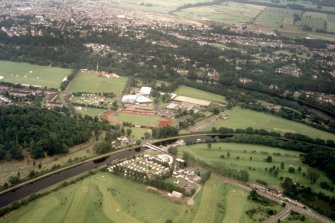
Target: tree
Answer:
[[129, 131], [282, 165], [269, 159], [147, 135], [115, 105], [291, 169], [313, 176], [209, 146], [102, 147]]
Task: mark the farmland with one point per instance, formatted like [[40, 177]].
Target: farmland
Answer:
[[195, 93], [239, 159], [105, 198], [25, 73], [160, 6], [243, 118], [92, 83], [228, 13]]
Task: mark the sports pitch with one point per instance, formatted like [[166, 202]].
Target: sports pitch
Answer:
[[29, 74]]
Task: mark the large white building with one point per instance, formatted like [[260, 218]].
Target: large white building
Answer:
[[145, 91], [135, 99]]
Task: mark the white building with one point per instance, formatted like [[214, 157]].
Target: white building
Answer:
[[135, 99], [176, 194], [145, 91]]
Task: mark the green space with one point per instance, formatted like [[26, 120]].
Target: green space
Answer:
[[103, 197], [92, 83], [298, 218], [154, 5], [30, 74], [228, 13], [93, 112], [195, 93], [134, 119], [138, 133], [237, 156], [243, 118]]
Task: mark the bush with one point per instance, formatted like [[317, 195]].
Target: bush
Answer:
[[102, 147]]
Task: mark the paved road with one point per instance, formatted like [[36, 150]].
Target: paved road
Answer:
[[279, 216]]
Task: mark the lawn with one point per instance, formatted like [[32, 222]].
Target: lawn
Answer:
[[92, 83], [25, 73], [243, 118], [106, 198], [257, 164], [195, 93]]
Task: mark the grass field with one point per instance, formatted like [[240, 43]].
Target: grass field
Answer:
[[258, 154], [91, 82], [228, 13], [106, 198], [135, 119], [160, 6], [93, 112], [138, 133], [195, 93], [243, 118], [25, 73]]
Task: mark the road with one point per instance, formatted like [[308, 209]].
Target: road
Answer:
[[279, 216]]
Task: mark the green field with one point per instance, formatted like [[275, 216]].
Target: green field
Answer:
[[138, 133], [282, 20], [258, 154], [195, 93], [25, 73], [243, 118], [228, 13], [135, 119], [154, 5], [106, 198], [91, 82], [93, 112]]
